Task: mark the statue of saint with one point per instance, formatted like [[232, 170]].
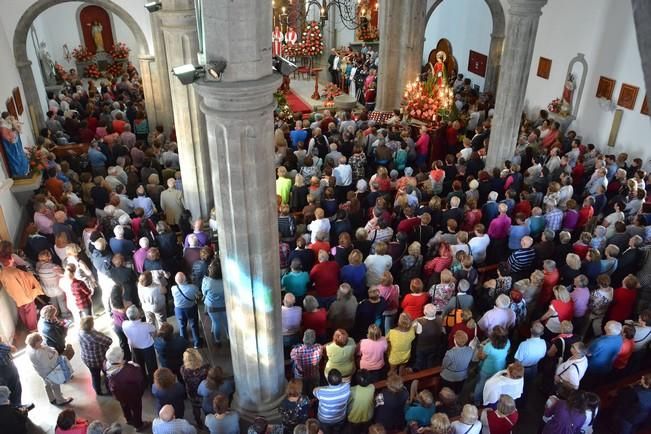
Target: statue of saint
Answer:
[[13, 146], [47, 64], [568, 90], [96, 31], [438, 71]]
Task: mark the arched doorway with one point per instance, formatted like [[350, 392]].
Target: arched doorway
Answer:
[[496, 43], [24, 64]]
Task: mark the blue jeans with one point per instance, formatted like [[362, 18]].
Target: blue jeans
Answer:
[[219, 324], [186, 315], [479, 388]]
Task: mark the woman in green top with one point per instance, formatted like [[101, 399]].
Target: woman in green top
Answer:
[[492, 355], [283, 185], [141, 126], [341, 354]]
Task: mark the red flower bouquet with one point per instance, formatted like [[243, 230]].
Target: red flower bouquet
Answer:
[[82, 54], [120, 51], [92, 71]]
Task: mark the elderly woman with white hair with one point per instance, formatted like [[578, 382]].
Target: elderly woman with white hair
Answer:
[[121, 245], [141, 339], [45, 360], [500, 315]]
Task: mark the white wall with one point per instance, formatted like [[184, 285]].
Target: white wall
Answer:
[[56, 36], [467, 24], [611, 52], [9, 79]]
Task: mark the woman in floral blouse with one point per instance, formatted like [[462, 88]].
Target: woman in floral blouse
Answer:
[[600, 300], [293, 409]]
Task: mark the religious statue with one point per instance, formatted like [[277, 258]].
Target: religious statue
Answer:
[[96, 31], [566, 100], [438, 70], [47, 64], [276, 42], [13, 146], [291, 37]]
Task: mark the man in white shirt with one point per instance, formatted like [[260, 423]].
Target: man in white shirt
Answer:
[[509, 381], [478, 244], [571, 371], [291, 321], [141, 339], [343, 174]]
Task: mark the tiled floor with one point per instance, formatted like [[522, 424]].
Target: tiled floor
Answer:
[[86, 403]]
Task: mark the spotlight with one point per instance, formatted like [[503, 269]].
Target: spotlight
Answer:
[[153, 6], [283, 66], [216, 68], [187, 74]]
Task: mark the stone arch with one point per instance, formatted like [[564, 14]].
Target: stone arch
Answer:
[[24, 64], [497, 40]]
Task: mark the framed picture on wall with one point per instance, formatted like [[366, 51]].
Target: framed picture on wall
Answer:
[[18, 100], [628, 96], [477, 63], [11, 107], [645, 106], [544, 67], [605, 88]]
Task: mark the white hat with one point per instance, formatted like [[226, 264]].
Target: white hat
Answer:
[[474, 185]]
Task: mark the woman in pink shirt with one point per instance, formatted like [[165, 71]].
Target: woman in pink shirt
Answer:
[[67, 423], [422, 147], [390, 293], [372, 351]]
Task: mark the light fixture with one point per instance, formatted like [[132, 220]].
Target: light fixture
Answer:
[[212, 71], [154, 6]]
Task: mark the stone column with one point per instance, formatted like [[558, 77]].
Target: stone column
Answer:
[[239, 121], [402, 25], [148, 86], [32, 99], [494, 60], [641, 16], [161, 94], [514, 70], [179, 30]]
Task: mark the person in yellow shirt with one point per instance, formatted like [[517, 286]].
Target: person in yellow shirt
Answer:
[[23, 288], [283, 185], [362, 402], [341, 354], [400, 339]]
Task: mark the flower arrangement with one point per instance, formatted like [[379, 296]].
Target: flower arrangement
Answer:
[[425, 100], [554, 106], [369, 33], [293, 50], [36, 158], [331, 91], [92, 71], [120, 51], [59, 72], [82, 54], [116, 69], [312, 41]]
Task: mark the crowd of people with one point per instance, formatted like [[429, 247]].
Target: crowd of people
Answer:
[[400, 252]]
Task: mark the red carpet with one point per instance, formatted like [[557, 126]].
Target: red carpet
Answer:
[[296, 103]]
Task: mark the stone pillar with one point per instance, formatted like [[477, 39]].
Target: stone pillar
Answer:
[[642, 16], [514, 70], [148, 86], [179, 30], [32, 99], [402, 25], [239, 121], [161, 93], [494, 60]]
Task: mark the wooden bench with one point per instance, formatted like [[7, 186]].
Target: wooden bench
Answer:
[[73, 149], [427, 379]]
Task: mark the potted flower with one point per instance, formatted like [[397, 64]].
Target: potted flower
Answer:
[[120, 51], [82, 54], [554, 106]]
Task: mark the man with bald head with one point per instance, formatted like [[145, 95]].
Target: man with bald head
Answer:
[[167, 423], [521, 260], [185, 297]]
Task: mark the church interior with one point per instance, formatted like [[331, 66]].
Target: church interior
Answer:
[[462, 191]]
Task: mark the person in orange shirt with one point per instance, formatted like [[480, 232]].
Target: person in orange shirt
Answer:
[[625, 352], [54, 185], [118, 124], [23, 288]]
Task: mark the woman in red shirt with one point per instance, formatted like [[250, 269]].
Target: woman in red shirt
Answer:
[[314, 318], [560, 309], [624, 299], [414, 303], [468, 326], [502, 420]]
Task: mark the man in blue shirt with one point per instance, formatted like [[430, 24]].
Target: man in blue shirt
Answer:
[[96, 159], [298, 135], [333, 401], [185, 297], [603, 350]]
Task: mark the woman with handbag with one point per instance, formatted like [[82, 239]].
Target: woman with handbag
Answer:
[[53, 368]]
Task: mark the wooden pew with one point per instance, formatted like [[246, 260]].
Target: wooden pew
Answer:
[[427, 379], [73, 149]]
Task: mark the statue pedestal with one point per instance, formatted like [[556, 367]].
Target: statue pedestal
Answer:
[[23, 188]]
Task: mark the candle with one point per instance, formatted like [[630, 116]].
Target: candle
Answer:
[[284, 10]]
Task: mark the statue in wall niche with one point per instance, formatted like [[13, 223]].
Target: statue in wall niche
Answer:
[[13, 146], [96, 30], [47, 64], [566, 100]]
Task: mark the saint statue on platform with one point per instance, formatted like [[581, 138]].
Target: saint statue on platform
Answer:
[[47, 64], [96, 31], [13, 146], [439, 72], [277, 42], [291, 37], [568, 90]]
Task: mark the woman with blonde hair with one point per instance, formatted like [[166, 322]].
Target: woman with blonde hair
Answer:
[[341, 354], [440, 424], [294, 408], [390, 293], [372, 350], [560, 309], [193, 372], [298, 197], [83, 271], [400, 340]]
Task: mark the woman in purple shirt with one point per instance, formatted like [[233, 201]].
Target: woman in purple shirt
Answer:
[[571, 216], [565, 416], [581, 297]]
